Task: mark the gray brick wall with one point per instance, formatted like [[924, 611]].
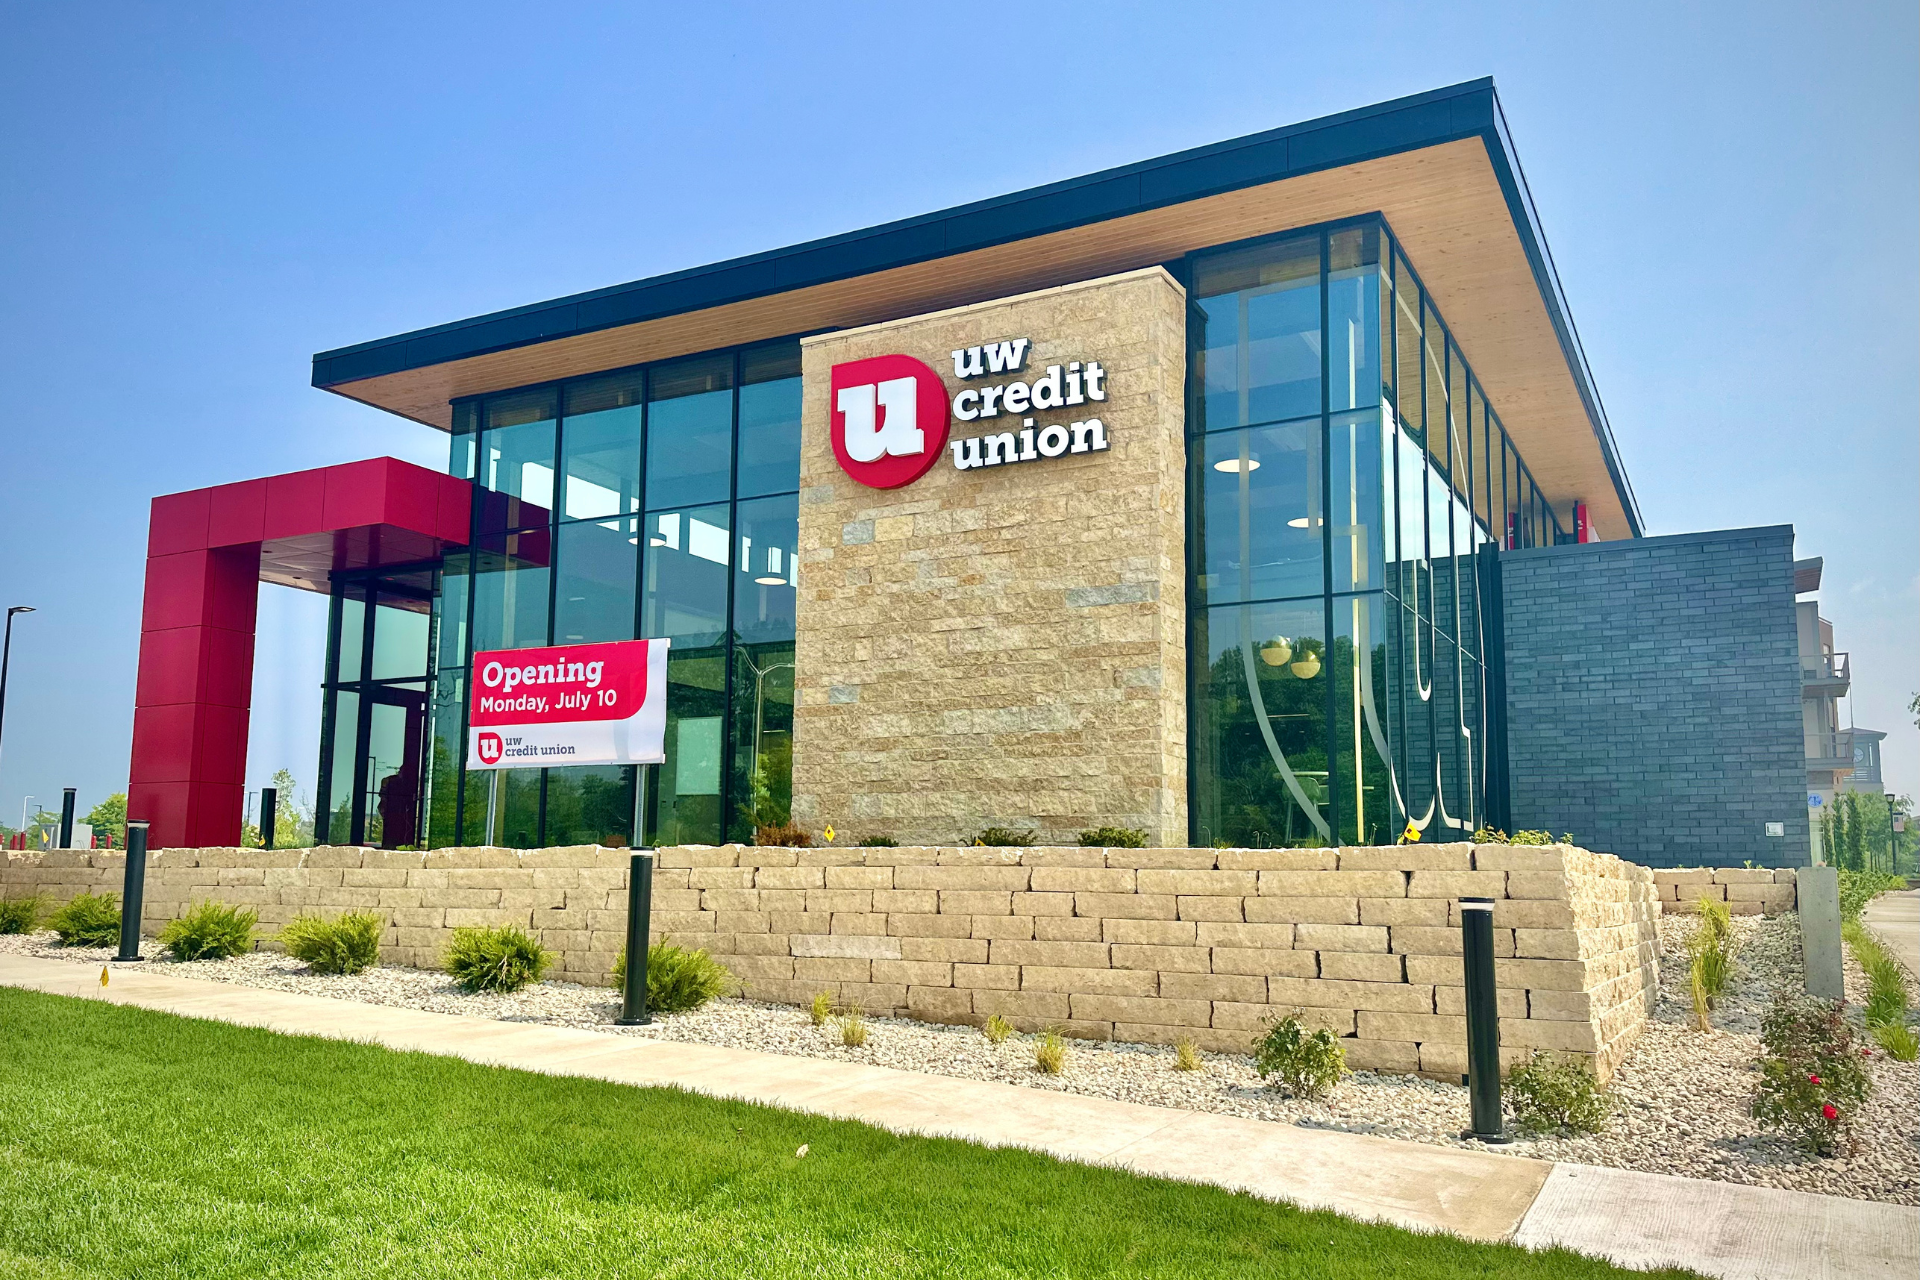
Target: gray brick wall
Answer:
[[1653, 697]]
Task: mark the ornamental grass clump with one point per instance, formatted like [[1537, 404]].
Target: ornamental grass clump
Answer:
[[1556, 1095], [500, 958], [821, 1009], [1886, 980], [678, 980], [89, 920], [348, 943], [19, 915], [210, 931], [1813, 1077], [1113, 838], [1900, 1042], [1710, 952], [1309, 1064], [853, 1028], [1004, 837], [997, 1030], [1050, 1052], [1186, 1055]]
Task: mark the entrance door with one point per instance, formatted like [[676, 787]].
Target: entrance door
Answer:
[[375, 727], [390, 806]]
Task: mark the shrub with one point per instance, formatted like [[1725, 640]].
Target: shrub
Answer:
[[19, 915], [678, 980], [1186, 1055], [783, 834], [1113, 838], [210, 931], [1858, 888], [879, 842], [1050, 1052], [1004, 837], [1898, 1040], [501, 958], [853, 1028], [1310, 1065], [1490, 835], [1539, 837], [1556, 1095], [1813, 1079], [997, 1030], [348, 943], [90, 920]]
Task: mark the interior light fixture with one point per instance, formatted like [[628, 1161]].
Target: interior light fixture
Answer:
[[1276, 652], [771, 582], [1308, 667], [1232, 466], [1302, 522], [656, 542]]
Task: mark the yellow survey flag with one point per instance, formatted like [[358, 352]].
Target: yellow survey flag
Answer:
[[1411, 835], [828, 833]]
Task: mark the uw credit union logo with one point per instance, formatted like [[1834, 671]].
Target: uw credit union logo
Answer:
[[490, 748], [889, 419]]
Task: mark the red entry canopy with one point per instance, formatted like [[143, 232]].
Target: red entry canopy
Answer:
[[208, 551]]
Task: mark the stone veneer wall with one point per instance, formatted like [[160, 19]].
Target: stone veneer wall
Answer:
[[1747, 891], [1131, 944]]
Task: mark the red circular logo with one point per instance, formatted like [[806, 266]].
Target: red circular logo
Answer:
[[889, 419], [490, 748]]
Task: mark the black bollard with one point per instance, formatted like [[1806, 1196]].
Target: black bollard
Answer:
[[133, 891], [269, 802], [1483, 1020], [633, 1001], [66, 818]]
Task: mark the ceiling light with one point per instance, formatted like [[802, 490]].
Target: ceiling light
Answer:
[[1232, 466], [1302, 522], [771, 582], [656, 542]]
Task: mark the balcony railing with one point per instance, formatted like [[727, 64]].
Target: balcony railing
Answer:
[[1830, 750], [1826, 669]]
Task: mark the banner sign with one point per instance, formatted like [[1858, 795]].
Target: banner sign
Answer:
[[571, 704]]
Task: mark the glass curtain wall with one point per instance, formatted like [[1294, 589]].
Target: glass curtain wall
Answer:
[[1345, 475], [655, 502], [374, 717]]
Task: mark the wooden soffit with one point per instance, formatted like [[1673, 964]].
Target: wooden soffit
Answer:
[[1444, 202]]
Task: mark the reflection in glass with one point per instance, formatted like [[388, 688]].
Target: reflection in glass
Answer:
[[1262, 358], [769, 437], [445, 760], [684, 793], [590, 804], [352, 638], [762, 738], [690, 431], [763, 589], [509, 603], [596, 566], [400, 629], [337, 805], [687, 556], [1263, 526]]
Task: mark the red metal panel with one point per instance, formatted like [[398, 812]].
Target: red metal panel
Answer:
[[357, 495], [233, 588], [176, 593], [164, 807], [238, 514], [178, 522], [171, 669], [213, 814], [220, 746], [455, 522], [296, 504], [163, 745], [226, 670]]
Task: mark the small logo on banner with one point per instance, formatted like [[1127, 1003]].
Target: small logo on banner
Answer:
[[889, 419], [490, 748]]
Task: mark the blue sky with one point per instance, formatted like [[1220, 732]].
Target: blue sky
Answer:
[[195, 198]]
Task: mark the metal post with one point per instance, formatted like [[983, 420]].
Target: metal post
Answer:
[[66, 818], [6, 657], [1483, 1020], [133, 891], [633, 1001], [269, 804]]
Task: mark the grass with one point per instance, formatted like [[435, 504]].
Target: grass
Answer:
[[140, 1144]]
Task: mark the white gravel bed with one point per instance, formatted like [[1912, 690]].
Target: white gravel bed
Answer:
[[1679, 1098]]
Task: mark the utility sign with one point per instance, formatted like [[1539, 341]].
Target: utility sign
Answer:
[[571, 704]]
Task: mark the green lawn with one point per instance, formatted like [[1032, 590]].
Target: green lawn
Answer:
[[142, 1144]]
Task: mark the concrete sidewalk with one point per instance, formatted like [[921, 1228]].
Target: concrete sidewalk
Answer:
[[1895, 919], [1640, 1220]]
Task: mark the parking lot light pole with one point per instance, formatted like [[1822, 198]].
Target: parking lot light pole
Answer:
[[6, 656]]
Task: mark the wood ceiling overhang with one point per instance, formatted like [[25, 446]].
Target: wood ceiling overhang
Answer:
[[1446, 201]]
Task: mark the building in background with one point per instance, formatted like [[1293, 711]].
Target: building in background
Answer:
[[1279, 508], [1865, 776]]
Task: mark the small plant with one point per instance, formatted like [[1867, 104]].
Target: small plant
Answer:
[[1899, 1040], [1050, 1052], [19, 915], [1858, 888], [1536, 837], [1886, 980], [678, 980], [210, 931], [821, 1009], [1186, 1055], [879, 842], [347, 943], [1004, 837], [997, 1030], [1113, 838], [1490, 835], [1310, 1065], [501, 958], [1710, 953], [853, 1028], [89, 920], [1813, 1079], [1556, 1095], [782, 834]]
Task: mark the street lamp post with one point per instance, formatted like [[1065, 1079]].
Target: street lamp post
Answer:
[[6, 655]]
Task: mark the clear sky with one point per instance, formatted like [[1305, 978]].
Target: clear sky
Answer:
[[195, 198]]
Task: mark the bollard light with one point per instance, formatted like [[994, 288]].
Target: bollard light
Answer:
[[66, 818], [269, 802], [633, 1000], [1483, 1020], [133, 891]]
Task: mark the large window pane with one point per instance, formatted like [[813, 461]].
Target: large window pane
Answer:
[[400, 629], [1364, 789], [1353, 318], [336, 806], [450, 610], [1262, 519], [762, 738], [690, 431], [684, 805], [1261, 361], [517, 449], [445, 759], [597, 569], [1259, 709], [768, 540], [590, 804], [351, 638], [769, 437], [1357, 502], [600, 444], [688, 553], [509, 603]]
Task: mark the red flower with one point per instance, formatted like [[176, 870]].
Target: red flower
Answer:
[[1813, 1079], [1830, 1112]]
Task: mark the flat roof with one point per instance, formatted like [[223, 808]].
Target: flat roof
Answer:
[[1439, 166]]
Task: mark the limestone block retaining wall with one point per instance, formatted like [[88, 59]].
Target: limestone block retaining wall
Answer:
[[1747, 891], [1133, 944]]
